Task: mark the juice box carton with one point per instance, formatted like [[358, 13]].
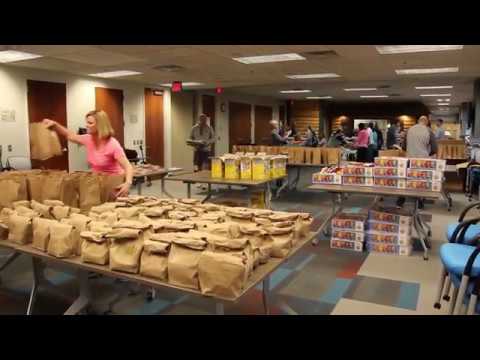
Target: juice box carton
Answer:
[[424, 185], [217, 168], [376, 226], [386, 238], [428, 164], [392, 161], [389, 249], [342, 234], [346, 245], [261, 167], [357, 170], [357, 180], [324, 178], [421, 174], [390, 215], [246, 167], [350, 221], [389, 182], [391, 172]]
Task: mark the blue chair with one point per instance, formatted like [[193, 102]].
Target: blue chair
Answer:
[[462, 264], [470, 232]]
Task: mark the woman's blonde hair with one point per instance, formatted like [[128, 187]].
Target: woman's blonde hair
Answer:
[[104, 126]]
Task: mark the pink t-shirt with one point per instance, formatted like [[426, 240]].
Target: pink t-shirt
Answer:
[[103, 159], [362, 139]]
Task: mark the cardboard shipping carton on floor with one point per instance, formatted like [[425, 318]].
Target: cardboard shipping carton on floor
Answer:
[[354, 221], [342, 234], [389, 228], [346, 245], [402, 239], [389, 249], [390, 215]]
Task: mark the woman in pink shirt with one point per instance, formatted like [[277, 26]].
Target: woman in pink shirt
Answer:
[[361, 143], [104, 153]]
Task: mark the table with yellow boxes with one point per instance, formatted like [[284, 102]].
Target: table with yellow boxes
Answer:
[[251, 172]]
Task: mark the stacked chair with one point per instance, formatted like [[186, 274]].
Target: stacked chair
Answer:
[[461, 264]]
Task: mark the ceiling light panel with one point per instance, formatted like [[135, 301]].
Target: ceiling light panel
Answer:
[[314, 76], [405, 49], [360, 89], [118, 73], [319, 97], [295, 91], [9, 56], [185, 84], [436, 95], [427, 71], [373, 96], [433, 87], [269, 58]]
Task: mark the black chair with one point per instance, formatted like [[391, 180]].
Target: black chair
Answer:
[[132, 156]]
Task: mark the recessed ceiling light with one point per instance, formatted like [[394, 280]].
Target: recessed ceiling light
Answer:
[[313, 76], [184, 84], [361, 89], [436, 95], [426, 71], [373, 96], [443, 104], [319, 97], [403, 49], [295, 91], [8, 56], [433, 87], [269, 58], [443, 100], [117, 73]]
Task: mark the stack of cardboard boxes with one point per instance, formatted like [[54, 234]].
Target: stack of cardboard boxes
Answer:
[[348, 230]]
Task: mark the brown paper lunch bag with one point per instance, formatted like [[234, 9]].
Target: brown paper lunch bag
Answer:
[[183, 261], [209, 207], [35, 186], [69, 190], [110, 217], [18, 177], [80, 223], [109, 183], [157, 211], [5, 215], [44, 143], [302, 226], [45, 211], [25, 211], [128, 212], [22, 203], [3, 231], [125, 250], [41, 233], [261, 242], [62, 240], [99, 226], [154, 259], [152, 203], [308, 155], [283, 216], [181, 215], [89, 191], [317, 156], [282, 240], [189, 201], [239, 215], [95, 249], [8, 193], [60, 212], [52, 185], [165, 225], [53, 203], [20, 229], [214, 216], [108, 206]]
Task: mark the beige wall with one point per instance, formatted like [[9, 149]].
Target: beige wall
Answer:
[[182, 110]]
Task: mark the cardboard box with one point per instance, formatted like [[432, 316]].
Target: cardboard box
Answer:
[[298, 155], [389, 249], [350, 221], [323, 178], [375, 226], [260, 168], [421, 174], [353, 170], [246, 168], [390, 215], [279, 165], [386, 238], [232, 168], [428, 164], [424, 185], [343, 234], [390, 172], [217, 168], [317, 156], [397, 183], [357, 180], [391, 162], [346, 245]]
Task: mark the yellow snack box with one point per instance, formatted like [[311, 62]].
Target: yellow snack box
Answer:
[[261, 168], [232, 167], [279, 165], [217, 168], [246, 168]]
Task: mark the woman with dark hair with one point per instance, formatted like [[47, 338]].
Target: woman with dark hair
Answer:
[[312, 139]]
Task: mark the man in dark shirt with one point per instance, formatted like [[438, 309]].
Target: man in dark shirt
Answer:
[[392, 134]]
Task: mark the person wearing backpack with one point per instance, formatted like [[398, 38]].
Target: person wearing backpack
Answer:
[[312, 139]]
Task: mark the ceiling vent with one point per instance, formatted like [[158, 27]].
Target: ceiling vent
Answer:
[[169, 68], [322, 54]]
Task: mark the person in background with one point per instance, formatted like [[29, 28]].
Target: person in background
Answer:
[[373, 142], [440, 132], [402, 135], [379, 138], [311, 139], [277, 138], [105, 155], [420, 143], [392, 134], [337, 139], [204, 133], [361, 143]]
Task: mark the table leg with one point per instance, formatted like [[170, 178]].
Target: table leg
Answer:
[[189, 190], [209, 194], [84, 297], [37, 269], [448, 199], [284, 185], [420, 230], [9, 260], [267, 194], [265, 294], [296, 180], [324, 227], [219, 308], [139, 188]]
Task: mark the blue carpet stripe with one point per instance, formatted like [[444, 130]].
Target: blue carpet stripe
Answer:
[[408, 296], [305, 262], [335, 293], [276, 278]]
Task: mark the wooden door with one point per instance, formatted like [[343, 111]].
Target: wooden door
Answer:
[[208, 108], [239, 124], [263, 116], [154, 144], [48, 100], [111, 101]]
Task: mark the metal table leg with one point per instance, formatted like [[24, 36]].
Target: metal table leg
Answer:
[[139, 187], [219, 308], [296, 180], [84, 297], [209, 194], [37, 270], [9, 260], [268, 195], [265, 294], [419, 229], [324, 227], [164, 191], [189, 190]]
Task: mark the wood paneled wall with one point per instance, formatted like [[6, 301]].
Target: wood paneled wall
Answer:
[[304, 113]]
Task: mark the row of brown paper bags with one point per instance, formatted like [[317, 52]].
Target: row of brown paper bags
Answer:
[[78, 189], [217, 259]]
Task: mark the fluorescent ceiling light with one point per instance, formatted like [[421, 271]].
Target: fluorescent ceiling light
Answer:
[[117, 73], [295, 91], [184, 84], [436, 95], [8, 56], [443, 100], [360, 89], [319, 97], [433, 87], [373, 96], [313, 76], [427, 71], [269, 58], [404, 49], [443, 104]]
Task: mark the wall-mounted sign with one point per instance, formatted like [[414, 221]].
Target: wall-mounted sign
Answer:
[[219, 90], [7, 115]]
